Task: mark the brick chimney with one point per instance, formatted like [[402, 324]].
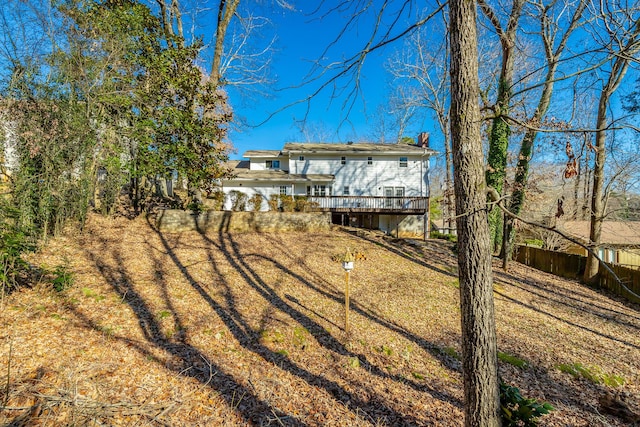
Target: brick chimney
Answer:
[[423, 140]]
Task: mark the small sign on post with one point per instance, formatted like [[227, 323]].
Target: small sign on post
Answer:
[[347, 265]]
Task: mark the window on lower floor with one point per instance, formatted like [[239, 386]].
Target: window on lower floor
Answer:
[[318, 190], [283, 189]]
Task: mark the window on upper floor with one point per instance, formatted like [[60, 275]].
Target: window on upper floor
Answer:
[[345, 190], [343, 160], [273, 164], [369, 161], [404, 162], [301, 158]]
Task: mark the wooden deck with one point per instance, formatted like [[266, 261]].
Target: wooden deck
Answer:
[[371, 204]]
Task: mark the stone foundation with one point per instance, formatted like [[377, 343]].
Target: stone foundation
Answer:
[[174, 220]]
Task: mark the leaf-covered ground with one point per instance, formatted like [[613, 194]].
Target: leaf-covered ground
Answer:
[[247, 329]]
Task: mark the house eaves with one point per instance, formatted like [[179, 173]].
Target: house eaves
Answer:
[[277, 176], [356, 148], [262, 153]]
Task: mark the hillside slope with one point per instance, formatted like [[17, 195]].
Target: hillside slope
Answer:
[[246, 329]]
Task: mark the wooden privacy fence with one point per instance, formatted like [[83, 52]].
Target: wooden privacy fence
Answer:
[[572, 266]]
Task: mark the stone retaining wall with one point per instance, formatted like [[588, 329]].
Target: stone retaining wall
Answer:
[[174, 220]]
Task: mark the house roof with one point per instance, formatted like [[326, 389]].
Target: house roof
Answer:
[[241, 172], [617, 233], [262, 153], [359, 147]]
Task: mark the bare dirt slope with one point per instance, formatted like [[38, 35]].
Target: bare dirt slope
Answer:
[[246, 329]]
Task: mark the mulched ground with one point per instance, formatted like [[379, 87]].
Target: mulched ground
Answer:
[[247, 329]]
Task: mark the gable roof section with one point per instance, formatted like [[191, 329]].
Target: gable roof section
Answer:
[[241, 172], [618, 233], [262, 153], [355, 148]]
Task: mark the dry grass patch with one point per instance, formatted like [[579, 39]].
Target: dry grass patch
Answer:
[[247, 329]]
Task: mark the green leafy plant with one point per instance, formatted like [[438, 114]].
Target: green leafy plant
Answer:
[[443, 236], [591, 373], [512, 360], [448, 351], [89, 293], [452, 352], [300, 337], [518, 411], [15, 241], [538, 243], [386, 350], [62, 278], [417, 375], [195, 206], [164, 314]]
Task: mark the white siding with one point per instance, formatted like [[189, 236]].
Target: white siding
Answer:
[[250, 188], [364, 179], [260, 163]]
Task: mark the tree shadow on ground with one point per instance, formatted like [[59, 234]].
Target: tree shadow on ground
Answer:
[[356, 307], [577, 299], [549, 292], [250, 338], [188, 360], [562, 390]]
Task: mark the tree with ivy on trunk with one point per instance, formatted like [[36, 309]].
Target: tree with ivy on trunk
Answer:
[[500, 127]]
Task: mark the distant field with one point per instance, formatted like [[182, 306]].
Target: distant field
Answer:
[[247, 329]]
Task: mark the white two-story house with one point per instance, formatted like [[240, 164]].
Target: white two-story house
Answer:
[[382, 186]]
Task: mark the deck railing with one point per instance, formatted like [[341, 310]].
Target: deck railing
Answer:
[[364, 204]]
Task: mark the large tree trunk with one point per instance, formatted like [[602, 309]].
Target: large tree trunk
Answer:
[[479, 358]]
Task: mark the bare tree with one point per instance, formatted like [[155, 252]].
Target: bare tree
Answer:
[[479, 348], [554, 33], [423, 73], [619, 24]]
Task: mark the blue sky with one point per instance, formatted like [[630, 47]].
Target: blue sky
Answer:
[[301, 39]]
